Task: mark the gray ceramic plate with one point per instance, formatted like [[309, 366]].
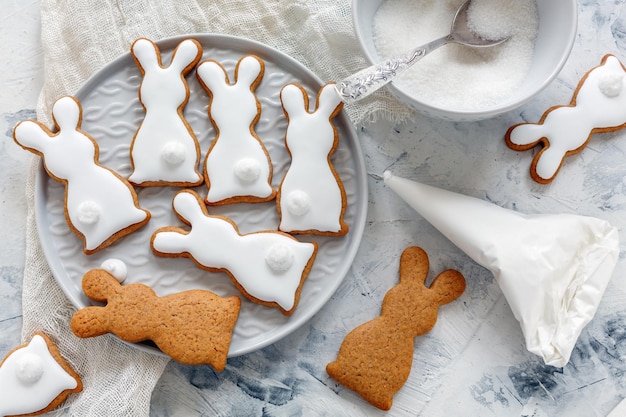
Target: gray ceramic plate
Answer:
[[111, 114]]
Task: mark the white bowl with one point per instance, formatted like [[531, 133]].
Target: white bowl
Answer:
[[555, 38]]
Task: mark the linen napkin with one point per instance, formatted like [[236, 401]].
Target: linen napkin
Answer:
[[81, 36]]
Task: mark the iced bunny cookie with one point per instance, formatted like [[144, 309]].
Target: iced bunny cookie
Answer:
[[375, 358], [237, 167], [311, 197], [100, 205], [164, 150], [35, 378], [268, 267], [192, 327], [598, 105]]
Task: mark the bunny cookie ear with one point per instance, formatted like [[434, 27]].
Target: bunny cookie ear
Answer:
[[328, 101], [249, 70], [146, 54], [31, 135], [189, 207], [448, 286], [294, 99], [211, 75], [413, 265], [186, 56], [100, 285], [67, 113], [90, 322]]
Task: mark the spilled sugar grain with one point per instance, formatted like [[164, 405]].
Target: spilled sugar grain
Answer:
[[457, 76]]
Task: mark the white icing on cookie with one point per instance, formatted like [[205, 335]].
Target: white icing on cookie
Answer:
[[248, 170], [599, 104], [99, 203], [116, 267], [298, 203], [279, 258], [29, 368], [312, 198], [213, 242], [31, 379], [173, 153], [234, 110], [164, 150], [88, 212]]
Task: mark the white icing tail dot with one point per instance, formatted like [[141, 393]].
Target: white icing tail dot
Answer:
[[247, 170], [115, 267], [173, 153], [29, 368], [611, 84], [88, 212], [298, 202], [279, 258]]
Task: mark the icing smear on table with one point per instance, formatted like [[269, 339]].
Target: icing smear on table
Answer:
[[552, 268]]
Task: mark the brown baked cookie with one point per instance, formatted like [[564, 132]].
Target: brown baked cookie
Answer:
[[311, 197], [268, 267], [100, 206], [375, 358], [237, 167], [164, 149], [35, 378], [192, 327], [598, 105]]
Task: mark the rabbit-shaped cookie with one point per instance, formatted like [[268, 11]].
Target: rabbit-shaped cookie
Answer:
[[311, 197], [100, 205], [268, 267], [164, 150], [237, 167], [598, 105], [193, 327], [375, 358]]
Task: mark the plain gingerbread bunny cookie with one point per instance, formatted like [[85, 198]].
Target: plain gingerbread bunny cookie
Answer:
[[375, 358], [100, 205], [598, 105], [165, 150], [193, 327], [311, 197], [237, 167]]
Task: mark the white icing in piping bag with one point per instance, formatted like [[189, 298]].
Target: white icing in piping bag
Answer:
[[553, 269]]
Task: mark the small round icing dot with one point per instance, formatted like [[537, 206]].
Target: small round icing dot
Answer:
[[279, 258], [88, 212], [173, 153], [29, 368], [298, 202], [247, 170], [115, 267], [611, 84]]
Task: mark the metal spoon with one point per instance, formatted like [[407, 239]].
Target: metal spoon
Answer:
[[368, 80]]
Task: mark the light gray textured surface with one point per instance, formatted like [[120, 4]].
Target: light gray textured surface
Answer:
[[473, 363]]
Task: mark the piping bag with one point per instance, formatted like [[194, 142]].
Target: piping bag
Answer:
[[553, 269]]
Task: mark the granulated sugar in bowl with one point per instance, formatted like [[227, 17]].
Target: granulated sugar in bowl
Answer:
[[461, 83]]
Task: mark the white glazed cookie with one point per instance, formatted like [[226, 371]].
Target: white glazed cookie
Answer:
[[100, 205], [598, 105], [311, 197], [268, 267], [35, 378], [237, 167], [164, 150]]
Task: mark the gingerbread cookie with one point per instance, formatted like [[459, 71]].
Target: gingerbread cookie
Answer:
[[268, 267], [164, 150], [100, 205], [193, 327], [311, 196], [598, 105], [237, 167], [375, 358], [35, 378]]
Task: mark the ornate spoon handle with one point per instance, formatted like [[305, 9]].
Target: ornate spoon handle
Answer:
[[368, 80]]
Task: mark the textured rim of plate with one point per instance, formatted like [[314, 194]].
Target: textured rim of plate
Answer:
[[262, 50]]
